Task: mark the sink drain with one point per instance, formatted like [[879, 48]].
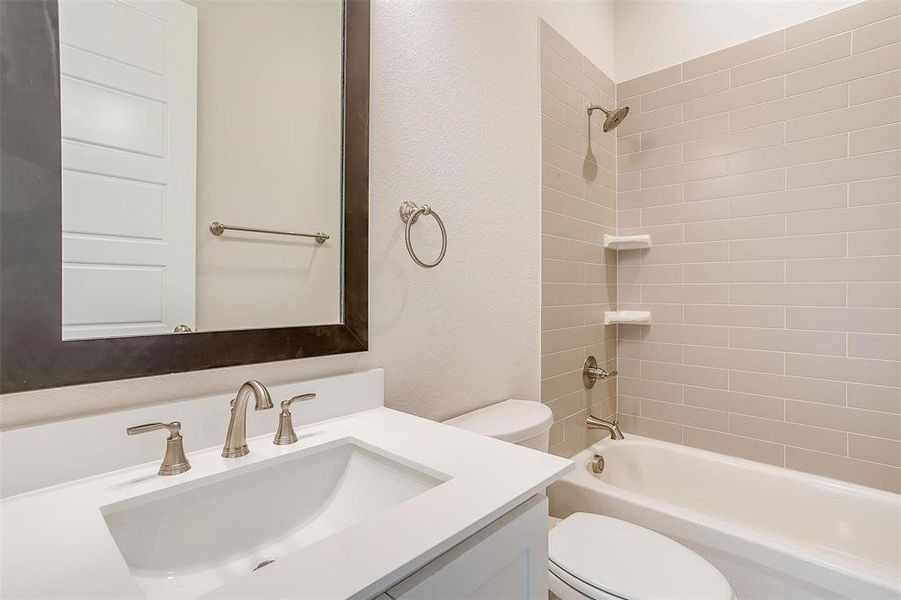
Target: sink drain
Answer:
[[264, 563]]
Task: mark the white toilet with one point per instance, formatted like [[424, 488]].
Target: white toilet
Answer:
[[594, 556]]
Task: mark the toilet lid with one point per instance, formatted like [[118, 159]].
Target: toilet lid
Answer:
[[589, 551]]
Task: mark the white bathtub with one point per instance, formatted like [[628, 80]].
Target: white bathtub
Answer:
[[774, 533]]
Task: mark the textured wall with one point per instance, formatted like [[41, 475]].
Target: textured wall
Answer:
[[768, 177], [578, 202], [455, 123]]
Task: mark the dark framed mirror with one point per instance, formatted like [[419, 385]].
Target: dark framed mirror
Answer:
[[142, 230]]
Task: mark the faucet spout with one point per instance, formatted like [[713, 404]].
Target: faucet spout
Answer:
[[611, 426], [236, 438]]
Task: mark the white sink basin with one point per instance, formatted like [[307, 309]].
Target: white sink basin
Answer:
[[186, 540]]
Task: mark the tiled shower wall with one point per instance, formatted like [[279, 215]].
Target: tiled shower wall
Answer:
[[578, 201], [768, 177]]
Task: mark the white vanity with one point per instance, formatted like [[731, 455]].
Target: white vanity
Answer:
[[370, 502]]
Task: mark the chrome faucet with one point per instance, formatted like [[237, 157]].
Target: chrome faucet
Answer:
[[613, 427], [236, 438]]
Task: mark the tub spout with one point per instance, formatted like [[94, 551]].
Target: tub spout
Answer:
[[613, 427]]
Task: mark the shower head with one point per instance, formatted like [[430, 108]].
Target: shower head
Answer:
[[614, 117]]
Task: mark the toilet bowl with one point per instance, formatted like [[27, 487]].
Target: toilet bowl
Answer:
[[595, 556]]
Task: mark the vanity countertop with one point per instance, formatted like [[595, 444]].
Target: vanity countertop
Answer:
[[56, 543]]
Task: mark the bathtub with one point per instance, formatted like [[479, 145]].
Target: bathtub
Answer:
[[774, 533]]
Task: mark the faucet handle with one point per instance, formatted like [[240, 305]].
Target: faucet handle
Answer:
[[174, 461], [285, 434]]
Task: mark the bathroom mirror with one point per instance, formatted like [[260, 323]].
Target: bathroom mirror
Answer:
[[184, 185]]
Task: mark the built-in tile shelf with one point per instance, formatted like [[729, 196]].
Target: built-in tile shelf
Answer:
[[627, 242], [627, 317]]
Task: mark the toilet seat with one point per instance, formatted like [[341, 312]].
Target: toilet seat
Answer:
[[601, 557]]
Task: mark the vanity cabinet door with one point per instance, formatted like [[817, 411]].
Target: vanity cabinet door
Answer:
[[507, 559]]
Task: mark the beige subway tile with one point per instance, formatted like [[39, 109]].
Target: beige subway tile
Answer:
[[846, 19], [627, 219], [560, 180], [736, 359], [872, 114], [854, 370], [689, 171], [876, 295], [600, 195], [789, 294], [744, 272], [874, 243], [686, 253], [553, 107], [788, 340], [565, 406], [572, 74], [661, 234], [876, 268], [853, 420], [881, 347], [777, 430], [558, 156], [800, 388], [650, 82], [875, 191], [627, 405], [650, 120], [552, 38], [734, 445], [739, 316], [561, 135], [685, 415], [551, 59], [686, 213], [868, 166], [734, 99], [858, 320], [878, 139], [553, 200], [734, 55], [628, 367], [876, 87], [650, 274], [641, 350], [787, 155], [677, 334], [793, 107], [877, 35], [561, 271], [736, 229], [559, 340], [874, 397], [628, 144], [795, 59], [686, 374], [735, 402], [685, 132], [859, 218], [661, 430], [736, 185], [561, 385], [654, 390], [561, 225], [847, 469], [669, 194], [598, 77], [872, 449], [799, 200], [685, 294], [663, 313], [856, 66], [583, 252], [651, 158], [559, 363], [696, 88], [808, 246], [600, 273], [748, 139], [552, 247], [560, 89]]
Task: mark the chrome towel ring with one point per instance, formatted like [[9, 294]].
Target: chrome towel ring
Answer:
[[409, 214]]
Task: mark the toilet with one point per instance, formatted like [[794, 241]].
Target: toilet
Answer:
[[594, 556]]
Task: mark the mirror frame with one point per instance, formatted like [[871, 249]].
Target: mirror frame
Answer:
[[32, 352]]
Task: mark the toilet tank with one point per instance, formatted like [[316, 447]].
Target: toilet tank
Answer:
[[522, 422]]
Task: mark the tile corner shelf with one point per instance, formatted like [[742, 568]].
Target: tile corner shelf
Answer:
[[627, 242], [627, 317]]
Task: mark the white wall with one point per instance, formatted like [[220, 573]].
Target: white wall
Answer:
[[455, 122], [655, 34], [268, 155]]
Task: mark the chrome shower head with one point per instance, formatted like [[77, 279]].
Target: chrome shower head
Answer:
[[614, 117]]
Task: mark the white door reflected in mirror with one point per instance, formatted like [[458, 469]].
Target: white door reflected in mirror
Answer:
[[178, 113]]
